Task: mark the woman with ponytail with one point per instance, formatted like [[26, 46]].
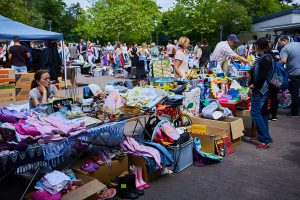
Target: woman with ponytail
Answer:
[[41, 89]]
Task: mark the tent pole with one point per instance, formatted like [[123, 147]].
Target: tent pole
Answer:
[[64, 62]]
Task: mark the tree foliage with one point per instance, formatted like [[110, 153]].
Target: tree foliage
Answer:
[[135, 21], [129, 21], [23, 11], [197, 18]]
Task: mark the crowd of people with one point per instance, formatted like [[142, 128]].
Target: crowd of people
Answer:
[[126, 57]]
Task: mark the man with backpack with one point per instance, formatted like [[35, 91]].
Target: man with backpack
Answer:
[[290, 55]]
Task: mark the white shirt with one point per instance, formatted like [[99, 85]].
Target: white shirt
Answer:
[[110, 48], [221, 52]]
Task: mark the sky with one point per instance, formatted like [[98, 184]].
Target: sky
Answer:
[[165, 4]]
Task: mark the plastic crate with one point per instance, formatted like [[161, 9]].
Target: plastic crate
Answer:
[[183, 155]]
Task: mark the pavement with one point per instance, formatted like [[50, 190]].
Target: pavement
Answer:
[[248, 173]]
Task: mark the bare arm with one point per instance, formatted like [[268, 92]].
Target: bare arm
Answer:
[[9, 56], [240, 58], [177, 63]]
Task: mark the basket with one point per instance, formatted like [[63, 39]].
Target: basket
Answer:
[[130, 111], [183, 156]]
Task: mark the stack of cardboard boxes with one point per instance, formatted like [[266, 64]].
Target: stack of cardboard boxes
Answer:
[[23, 85], [7, 85], [14, 86]]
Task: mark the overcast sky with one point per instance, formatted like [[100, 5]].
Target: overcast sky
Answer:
[[165, 4]]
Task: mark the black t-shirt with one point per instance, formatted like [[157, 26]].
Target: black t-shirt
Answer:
[[18, 55]]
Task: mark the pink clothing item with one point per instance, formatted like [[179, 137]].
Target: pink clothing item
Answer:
[[135, 148], [44, 195], [51, 128], [24, 128], [72, 129]]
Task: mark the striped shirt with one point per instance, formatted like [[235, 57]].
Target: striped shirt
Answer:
[[222, 52]]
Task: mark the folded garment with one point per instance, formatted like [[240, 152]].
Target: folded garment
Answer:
[[10, 116], [55, 181], [24, 128]]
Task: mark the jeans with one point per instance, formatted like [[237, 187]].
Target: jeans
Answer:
[[19, 69], [294, 86], [260, 120]]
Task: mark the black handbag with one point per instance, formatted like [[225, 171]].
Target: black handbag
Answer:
[[149, 127]]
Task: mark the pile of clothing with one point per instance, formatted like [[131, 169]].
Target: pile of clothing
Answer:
[[156, 155], [17, 129], [54, 185]]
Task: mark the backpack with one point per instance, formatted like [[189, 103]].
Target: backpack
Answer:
[[279, 76]]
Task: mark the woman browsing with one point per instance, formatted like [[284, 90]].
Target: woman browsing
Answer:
[[41, 89], [181, 61]]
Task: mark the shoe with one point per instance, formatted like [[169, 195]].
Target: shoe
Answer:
[[132, 179], [138, 184], [274, 119], [89, 166], [140, 177], [263, 146], [107, 194], [126, 188]]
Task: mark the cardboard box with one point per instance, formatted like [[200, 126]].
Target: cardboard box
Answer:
[[7, 75], [8, 95], [103, 173], [87, 191], [209, 136], [250, 130], [234, 125], [23, 80], [22, 94], [141, 162]]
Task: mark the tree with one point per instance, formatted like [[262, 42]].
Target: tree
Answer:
[[197, 19], [52, 10], [23, 11], [234, 18], [128, 21], [260, 8]]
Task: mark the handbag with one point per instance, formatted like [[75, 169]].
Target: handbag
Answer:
[[149, 127]]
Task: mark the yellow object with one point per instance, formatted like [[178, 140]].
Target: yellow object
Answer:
[[199, 129]]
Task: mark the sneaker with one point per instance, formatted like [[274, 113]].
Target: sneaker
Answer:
[[274, 119], [107, 194], [263, 146]]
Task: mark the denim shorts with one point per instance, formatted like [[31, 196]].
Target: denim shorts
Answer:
[[19, 69]]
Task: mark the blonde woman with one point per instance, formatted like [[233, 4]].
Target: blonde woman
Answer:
[[181, 61]]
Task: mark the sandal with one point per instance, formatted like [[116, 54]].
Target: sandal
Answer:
[[107, 194]]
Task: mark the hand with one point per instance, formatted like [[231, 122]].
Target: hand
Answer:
[[42, 89]]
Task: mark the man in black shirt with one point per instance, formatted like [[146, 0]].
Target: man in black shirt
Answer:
[[17, 55]]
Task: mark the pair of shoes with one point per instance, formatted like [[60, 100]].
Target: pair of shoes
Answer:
[[107, 194], [140, 183], [127, 188], [89, 166], [263, 146], [292, 115]]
